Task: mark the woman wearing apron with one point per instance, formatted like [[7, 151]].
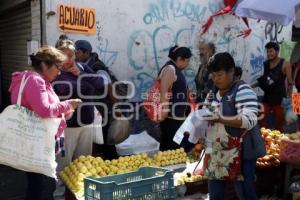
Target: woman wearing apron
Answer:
[[233, 139]]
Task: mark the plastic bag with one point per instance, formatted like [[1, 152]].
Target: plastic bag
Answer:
[[118, 131], [97, 128], [195, 125], [289, 114], [138, 143]]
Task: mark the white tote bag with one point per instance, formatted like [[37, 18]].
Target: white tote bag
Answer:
[[27, 142]]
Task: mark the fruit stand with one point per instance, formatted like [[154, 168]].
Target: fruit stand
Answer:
[[88, 166], [269, 172]]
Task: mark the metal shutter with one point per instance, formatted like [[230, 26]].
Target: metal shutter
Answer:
[[15, 30]]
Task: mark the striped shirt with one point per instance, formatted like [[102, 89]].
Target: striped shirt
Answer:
[[246, 105]]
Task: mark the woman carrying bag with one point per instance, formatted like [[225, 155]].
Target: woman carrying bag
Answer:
[[233, 139], [39, 97], [174, 95]]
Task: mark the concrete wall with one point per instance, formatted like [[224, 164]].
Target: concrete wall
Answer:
[[35, 21], [133, 37]]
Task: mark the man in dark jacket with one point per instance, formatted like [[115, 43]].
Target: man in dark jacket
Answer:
[[92, 64]]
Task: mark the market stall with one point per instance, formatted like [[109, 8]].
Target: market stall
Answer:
[[86, 176]]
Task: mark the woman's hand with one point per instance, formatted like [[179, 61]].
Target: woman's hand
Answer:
[[213, 119], [75, 103], [74, 70], [290, 91]]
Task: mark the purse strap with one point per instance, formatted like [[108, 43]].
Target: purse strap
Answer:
[[21, 89]]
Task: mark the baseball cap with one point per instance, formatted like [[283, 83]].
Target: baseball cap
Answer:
[[83, 44]]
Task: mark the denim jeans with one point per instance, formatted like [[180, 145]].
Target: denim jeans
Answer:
[[245, 190]]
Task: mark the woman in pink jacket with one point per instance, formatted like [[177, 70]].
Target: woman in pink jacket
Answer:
[[39, 96]]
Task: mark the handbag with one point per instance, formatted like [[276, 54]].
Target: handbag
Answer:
[[97, 128], [152, 104], [224, 162], [27, 142]]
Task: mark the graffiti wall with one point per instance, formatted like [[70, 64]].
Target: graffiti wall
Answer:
[[133, 37]]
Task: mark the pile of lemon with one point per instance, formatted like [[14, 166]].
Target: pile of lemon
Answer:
[[84, 166], [182, 178], [170, 157]]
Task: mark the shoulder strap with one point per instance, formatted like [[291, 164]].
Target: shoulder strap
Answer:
[[22, 85], [235, 132], [161, 69]]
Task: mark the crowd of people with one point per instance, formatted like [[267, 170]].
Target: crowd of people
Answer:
[[68, 78]]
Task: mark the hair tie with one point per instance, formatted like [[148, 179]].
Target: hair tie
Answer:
[[176, 49]]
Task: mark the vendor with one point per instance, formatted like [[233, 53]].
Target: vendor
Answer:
[[234, 120]]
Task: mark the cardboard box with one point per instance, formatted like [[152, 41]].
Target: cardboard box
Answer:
[[296, 196]]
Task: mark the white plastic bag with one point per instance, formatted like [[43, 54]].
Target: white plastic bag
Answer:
[[138, 143], [27, 142], [289, 114], [195, 125], [97, 128], [118, 131]]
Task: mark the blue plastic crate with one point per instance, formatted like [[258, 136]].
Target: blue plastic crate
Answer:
[[148, 183]]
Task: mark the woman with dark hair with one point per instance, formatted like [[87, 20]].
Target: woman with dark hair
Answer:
[[174, 107], [39, 96], [233, 139]]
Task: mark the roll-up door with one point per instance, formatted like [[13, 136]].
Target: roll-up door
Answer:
[[15, 30]]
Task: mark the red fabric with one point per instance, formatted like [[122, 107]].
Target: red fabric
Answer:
[[230, 3], [234, 170], [228, 6], [192, 103], [278, 112], [235, 167]]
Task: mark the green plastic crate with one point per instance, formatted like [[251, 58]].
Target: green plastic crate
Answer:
[[148, 183]]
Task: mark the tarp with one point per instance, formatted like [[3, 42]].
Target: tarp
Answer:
[[286, 49], [279, 11]]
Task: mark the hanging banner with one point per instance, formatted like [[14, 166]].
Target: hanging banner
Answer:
[[75, 19]]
